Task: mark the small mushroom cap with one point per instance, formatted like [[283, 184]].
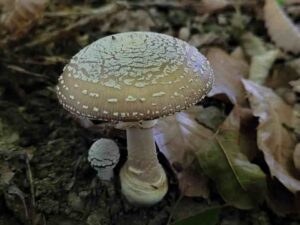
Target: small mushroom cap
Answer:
[[134, 76], [104, 155]]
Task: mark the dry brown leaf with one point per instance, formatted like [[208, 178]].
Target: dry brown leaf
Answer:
[[281, 29], [19, 15], [175, 137], [228, 73], [296, 157], [273, 138]]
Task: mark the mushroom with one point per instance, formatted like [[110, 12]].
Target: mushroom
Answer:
[[135, 78], [104, 155]]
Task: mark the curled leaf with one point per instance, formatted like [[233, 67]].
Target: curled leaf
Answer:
[[273, 138], [280, 27], [19, 15]]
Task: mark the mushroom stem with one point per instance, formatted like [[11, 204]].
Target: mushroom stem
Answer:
[[141, 149], [143, 179]]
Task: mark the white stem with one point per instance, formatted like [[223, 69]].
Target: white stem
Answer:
[[142, 158], [143, 179], [105, 173]]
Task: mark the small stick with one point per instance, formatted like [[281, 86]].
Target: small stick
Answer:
[[22, 70]]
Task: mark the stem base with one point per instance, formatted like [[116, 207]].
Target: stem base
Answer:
[[139, 192]]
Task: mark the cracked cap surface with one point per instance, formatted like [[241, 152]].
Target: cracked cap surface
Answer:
[[134, 76]]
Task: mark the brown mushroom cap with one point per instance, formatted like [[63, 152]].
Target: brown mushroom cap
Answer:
[[134, 76]]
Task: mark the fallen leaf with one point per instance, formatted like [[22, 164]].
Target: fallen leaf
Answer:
[[180, 138], [273, 138], [296, 157], [296, 118], [199, 40], [261, 65], [211, 117], [240, 183], [262, 58], [281, 28], [228, 73], [252, 44], [19, 15], [173, 135]]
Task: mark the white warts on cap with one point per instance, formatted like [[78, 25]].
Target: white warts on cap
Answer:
[[144, 75]]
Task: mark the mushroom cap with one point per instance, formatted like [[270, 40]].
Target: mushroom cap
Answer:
[[104, 155], [134, 76]]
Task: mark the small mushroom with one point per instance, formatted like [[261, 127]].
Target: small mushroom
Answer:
[[135, 78], [104, 155]]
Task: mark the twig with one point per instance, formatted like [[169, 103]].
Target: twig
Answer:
[[22, 70], [103, 13], [30, 179], [40, 60]]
